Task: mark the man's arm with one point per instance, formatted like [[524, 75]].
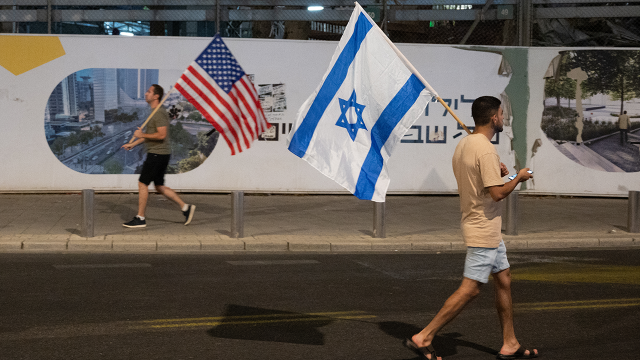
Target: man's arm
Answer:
[[129, 146], [500, 192], [159, 135]]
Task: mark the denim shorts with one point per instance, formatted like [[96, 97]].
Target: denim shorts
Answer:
[[481, 262]]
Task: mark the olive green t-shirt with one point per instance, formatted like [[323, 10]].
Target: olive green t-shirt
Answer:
[[161, 147]]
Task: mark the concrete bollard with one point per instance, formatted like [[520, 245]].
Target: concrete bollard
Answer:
[[633, 220], [379, 216], [237, 214], [511, 215], [88, 212]]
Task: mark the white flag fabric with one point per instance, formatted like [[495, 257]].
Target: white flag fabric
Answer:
[[368, 99]]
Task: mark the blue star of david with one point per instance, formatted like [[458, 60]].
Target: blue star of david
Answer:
[[344, 122]]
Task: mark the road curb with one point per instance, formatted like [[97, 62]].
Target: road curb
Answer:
[[147, 243]]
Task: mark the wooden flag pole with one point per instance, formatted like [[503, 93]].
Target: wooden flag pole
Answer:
[[424, 82], [153, 112], [453, 114]]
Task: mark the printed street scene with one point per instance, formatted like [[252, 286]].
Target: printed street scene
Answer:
[[592, 108]]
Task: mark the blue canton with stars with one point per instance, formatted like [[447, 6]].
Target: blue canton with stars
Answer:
[[218, 62], [345, 105]]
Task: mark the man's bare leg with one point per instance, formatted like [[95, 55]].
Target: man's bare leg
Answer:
[[502, 286], [143, 196], [170, 194], [468, 290]]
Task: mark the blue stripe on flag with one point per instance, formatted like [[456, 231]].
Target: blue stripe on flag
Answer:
[[302, 137], [390, 117]]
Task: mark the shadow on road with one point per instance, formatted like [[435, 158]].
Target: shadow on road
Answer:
[[445, 344], [249, 323]]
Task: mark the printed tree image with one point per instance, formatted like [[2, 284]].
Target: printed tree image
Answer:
[[58, 146], [112, 166], [194, 160], [196, 116], [181, 140], [611, 72], [562, 87], [204, 147]]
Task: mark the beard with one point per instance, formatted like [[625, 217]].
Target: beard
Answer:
[[497, 129]]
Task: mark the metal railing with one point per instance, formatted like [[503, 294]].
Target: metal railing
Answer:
[[510, 221], [479, 22]]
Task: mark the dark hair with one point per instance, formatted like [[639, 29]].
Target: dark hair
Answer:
[[158, 90], [625, 111], [483, 108]]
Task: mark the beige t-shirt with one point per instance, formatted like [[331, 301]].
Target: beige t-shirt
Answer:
[[161, 147], [623, 121], [476, 166]]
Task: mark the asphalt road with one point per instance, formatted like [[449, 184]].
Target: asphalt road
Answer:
[[568, 304]]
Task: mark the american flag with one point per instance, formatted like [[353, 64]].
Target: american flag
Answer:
[[218, 87]]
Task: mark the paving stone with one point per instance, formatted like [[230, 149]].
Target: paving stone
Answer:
[[180, 245], [431, 246], [391, 246], [75, 237], [222, 245], [89, 245], [133, 245], [351, 246], [254, 245], [516, 244], [6, 244], [44, 245], [310, 246], [615, 242], [563, 243]]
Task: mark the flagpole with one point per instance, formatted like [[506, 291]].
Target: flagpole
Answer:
[[153, 112], [424, 82]]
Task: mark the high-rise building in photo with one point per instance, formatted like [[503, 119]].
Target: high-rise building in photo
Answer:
[[128, 81], [85, 97], [105, 92], [63, 100], [148, 77]]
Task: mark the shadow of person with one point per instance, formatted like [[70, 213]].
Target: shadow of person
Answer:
[[74, 231], [445, 344], [250, 323]]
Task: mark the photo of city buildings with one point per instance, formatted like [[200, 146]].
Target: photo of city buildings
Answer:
[[93, 112]]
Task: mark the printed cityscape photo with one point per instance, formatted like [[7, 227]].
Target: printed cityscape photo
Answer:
[[93, 112]]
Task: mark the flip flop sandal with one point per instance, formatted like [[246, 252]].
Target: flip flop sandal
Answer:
[[420, 351], [519, 354]]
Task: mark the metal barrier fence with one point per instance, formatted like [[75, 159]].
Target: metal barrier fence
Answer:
[[510, 215], [475, 22]]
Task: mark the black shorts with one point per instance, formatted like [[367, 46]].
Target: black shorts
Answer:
[[153, 169]]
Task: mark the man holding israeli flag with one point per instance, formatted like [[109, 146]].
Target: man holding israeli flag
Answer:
[[367, 101]]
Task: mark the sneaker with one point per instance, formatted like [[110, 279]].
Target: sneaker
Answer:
[[188, 214], [136, 223]]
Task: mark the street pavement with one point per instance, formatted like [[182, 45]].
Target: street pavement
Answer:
[[299, 223], [570, 305]]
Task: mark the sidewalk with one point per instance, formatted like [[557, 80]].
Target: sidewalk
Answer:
[[317, 223]]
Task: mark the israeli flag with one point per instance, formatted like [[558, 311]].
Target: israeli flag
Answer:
[[368, 99]]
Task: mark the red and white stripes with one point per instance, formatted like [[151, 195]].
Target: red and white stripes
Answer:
[[236, 115]]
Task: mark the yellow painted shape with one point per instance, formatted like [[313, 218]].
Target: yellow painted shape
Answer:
[[256, 322], [19, 54], [580, 273], [253, 319], [242, 317]]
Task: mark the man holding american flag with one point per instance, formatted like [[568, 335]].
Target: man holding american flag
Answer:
[[156, 139]]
